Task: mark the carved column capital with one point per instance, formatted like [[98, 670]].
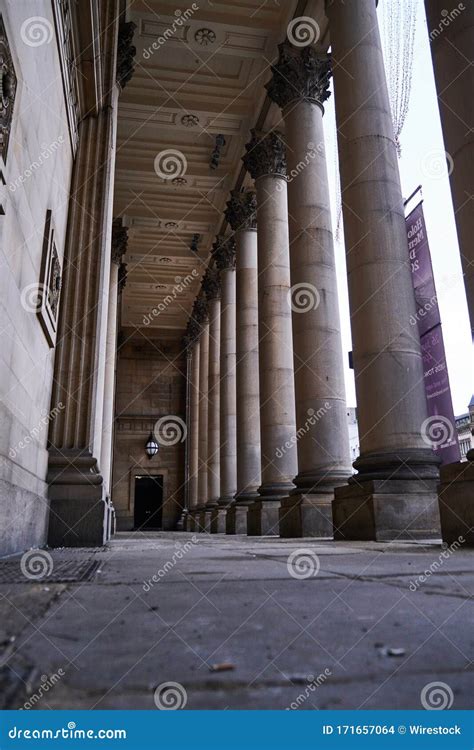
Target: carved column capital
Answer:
[[223, 252], [193, 329], [119, 241], [7, 90], [211, 284], [299, 75], [126, 52], [200, 311], [265, 154], [241, 212]]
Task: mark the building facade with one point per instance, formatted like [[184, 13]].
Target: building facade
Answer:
[[168, 275]]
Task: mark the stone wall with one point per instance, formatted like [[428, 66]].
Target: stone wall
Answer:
[[150, 385], [36, 175]]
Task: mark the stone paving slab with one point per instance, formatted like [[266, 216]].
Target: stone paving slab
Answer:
[[355, 622]]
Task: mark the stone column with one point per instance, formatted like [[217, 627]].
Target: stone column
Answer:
[[224, 256], [452, 42], [265, 160], [183, 521], [119, 247], [242, 216], [212, 289], [193, 434], [80, 514], [300, 86], [201, 314], [394, 494]]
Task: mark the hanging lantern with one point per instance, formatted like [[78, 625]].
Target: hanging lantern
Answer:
[[151, 447]]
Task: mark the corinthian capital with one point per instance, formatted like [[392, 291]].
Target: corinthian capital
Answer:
[[211, 284], [241, 212], [200, 312], [223, 251], [299, 75], [265, 154]]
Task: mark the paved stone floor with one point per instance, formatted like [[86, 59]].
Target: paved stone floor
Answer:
[[360, 631]]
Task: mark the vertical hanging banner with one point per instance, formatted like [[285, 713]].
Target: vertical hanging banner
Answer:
[[439, 430]]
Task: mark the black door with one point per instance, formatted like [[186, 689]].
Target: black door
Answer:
[[148, 502]]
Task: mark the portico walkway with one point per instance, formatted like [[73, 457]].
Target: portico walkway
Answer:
[[361, 631]]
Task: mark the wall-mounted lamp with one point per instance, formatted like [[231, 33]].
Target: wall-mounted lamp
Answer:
[[151, 447]]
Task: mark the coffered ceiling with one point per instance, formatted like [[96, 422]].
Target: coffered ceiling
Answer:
[[199, 82]]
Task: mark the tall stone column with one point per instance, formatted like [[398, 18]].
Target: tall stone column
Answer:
[[193, 332], [80, 514], [212, 289], [265, 160], [300, 86], [394, 494], [119, 247], [201, 314], [183, 521], [452, 44], [242, 216], [224, 257]]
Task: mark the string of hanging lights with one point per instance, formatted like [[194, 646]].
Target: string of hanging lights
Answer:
[[398, 43]]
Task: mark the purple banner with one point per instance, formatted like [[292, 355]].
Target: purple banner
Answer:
[[427, 311], [439, 430]]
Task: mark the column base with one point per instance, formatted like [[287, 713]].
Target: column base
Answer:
[[237, 519], [191, 521], [218, 520], [263, 518], [456, 502], [307, 514], [80, 512], [385, 510], [79, 523], [237, 516]]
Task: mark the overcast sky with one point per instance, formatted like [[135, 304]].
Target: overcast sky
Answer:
[[422, 162]]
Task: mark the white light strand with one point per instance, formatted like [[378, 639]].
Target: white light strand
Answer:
[[398, 44]]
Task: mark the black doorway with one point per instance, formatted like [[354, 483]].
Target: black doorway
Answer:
[[148, 502]]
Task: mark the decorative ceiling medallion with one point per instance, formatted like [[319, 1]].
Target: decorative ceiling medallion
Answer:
[[205, 37], [190, 121], [171, 225], [179, 181], [164, 260], [7, 91]]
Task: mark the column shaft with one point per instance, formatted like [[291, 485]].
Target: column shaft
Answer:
[[80, 514], [265, 160], [109, 386], [203, 424], [299, 86], [194, 433], [214, 484], [386, 501], [452, 45], [228, 421], [241, 214]]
